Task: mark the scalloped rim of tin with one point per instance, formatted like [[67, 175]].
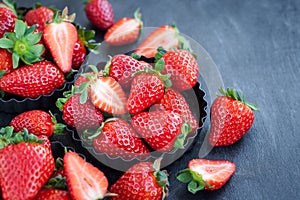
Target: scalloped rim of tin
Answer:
[[165, 155]]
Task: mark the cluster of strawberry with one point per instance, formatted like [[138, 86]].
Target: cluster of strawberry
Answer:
[[147, 96], [38, 49]]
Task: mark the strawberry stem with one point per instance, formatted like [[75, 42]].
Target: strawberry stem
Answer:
[[99, 130], [161, 176], [234, 94], [58, 128], [185, 130]]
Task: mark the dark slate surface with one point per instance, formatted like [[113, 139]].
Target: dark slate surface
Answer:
[[256, 46]]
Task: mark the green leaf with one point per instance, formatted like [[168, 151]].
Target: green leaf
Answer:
[[2, 72], [83, 86], [89, 35], [84, 97], [37, 50], [193, 187], [34, 38], [159, 65], [11, 36], [20, 28], [94, 68], [30, 30], [15, 59], [5, 43], [185, 177]]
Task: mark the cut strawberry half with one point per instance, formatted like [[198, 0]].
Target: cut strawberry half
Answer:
[[206, 174], [124, 31], [105, 92], [83, 179], [60, 37]]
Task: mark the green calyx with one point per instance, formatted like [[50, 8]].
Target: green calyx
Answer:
[[87, 38], [234, 94], [194, 180], [83, 89], [58, 127], [57, 182], [67, 95], [159, 66], [23, 44], [183, 43], [8, 137], [185, 130], [161, 177]]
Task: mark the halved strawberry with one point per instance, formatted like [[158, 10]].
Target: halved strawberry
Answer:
[[124, 31], [83, 179], [105, 93], [206, 174], [60, 37]]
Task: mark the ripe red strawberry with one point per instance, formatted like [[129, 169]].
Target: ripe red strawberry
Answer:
[[83, 179], [52, 194], [162, 130], [82, 79], [7, 20], [37, 122], [183, 67], [124, 31], [231, 118], [122, 68], [141, 181], [163, 36], [32, 165], [85, 40], [60, 37], [147, 88], [174, 101], [33, 81], [118, 138], [105, 93], [6, 60], [100, 13], [206, 174], [79, 116], [39, 16]]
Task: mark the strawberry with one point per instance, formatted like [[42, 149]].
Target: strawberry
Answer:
[[82, 79], [100, 13], [174, 101], [183, 67], [231, 118], [206, 174], [8, 17], [147, 88], [79, 116], [163, 36], [162, 130], [122, 67], [33, 81], [46, 142], [85, 40], [52, 194], [24, 44], [124, 31], [105, 92], [5, 60], [60, 36], [141, 181], [83, 179], [32, 165], [39, 15], [116, 137], [37, 122]]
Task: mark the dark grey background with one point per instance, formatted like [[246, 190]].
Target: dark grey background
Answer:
[[256, 46]]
